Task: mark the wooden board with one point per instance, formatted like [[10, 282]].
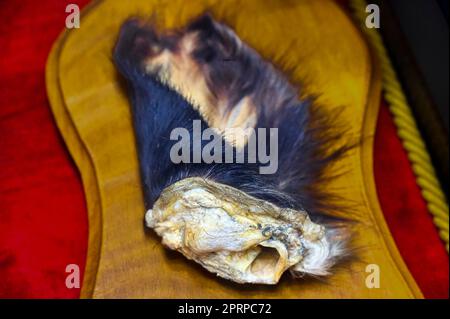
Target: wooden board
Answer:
[[321, 46]]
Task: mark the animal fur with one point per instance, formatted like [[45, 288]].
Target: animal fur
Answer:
[[205, 72]]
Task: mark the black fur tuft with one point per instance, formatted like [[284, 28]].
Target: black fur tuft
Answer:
[[309, 140]]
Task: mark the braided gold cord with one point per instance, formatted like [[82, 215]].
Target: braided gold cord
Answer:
[[407, 129]]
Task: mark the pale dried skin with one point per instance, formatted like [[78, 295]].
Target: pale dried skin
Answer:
[[237, 236]]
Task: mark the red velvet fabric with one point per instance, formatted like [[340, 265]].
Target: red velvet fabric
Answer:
[[43, 221], [406, 213]]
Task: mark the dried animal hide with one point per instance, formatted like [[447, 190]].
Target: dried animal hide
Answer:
[[242, 225]]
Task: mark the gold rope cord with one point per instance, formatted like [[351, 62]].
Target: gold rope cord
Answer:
[[407, 129]]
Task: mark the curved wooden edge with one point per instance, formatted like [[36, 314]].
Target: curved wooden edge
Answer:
[[81, 157], [366, 162]]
